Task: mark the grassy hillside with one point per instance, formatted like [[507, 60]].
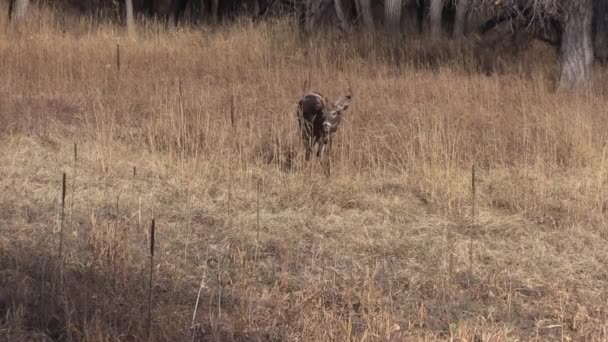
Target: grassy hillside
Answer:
[[196, 128]]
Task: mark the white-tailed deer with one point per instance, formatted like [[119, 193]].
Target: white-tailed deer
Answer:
[[319, 119]]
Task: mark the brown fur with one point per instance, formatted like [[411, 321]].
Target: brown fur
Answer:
[[318, 119]]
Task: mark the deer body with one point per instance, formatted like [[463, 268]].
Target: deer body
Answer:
[[319, 119]]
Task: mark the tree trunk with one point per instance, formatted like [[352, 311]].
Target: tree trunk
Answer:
[[600, 25], [256, 7], [436, 12], [149, 8], [392, 14], [460, 22], [129, 15], [17, 9], [577, 46], [341, 14], [420, 9], [309, 16], [215, 11], [364, 7], [315, 9]]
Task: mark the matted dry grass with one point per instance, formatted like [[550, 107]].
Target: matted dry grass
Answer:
[[385, 249]]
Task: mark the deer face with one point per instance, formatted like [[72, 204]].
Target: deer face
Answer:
[[332, 115]]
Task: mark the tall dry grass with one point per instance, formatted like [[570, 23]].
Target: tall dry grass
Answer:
[[379, 251]]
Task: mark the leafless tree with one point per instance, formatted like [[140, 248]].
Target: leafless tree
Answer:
[[460, 22], [436, 16], [600, 29], [577, 46], [575, 19], [129, 15], [17, 9], [342, 8], [364, 8], [392, 14]]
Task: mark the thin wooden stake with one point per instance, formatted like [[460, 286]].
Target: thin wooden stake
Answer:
[[473, 190], [258, 206], [152, 233], [134, 175], [450, 245], [74, 181], [118, 58], [257, 242], [115, 242], [63, 189], [232, 111]]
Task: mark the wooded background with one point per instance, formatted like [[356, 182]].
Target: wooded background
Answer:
[[577, 28]]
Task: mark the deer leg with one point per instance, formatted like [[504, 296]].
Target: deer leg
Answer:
[[309, 144], [325, 161], [321, 150], [325, 147], [308, 151]]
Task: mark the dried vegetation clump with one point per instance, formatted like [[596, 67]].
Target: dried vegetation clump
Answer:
[[196, 129]]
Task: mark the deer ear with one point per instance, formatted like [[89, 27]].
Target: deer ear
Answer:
[[343, 103]]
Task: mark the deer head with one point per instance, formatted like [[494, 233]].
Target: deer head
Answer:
[[332, 115]]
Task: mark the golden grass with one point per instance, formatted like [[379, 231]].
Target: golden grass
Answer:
[[379, 251]]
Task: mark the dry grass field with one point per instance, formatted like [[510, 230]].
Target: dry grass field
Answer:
[[196, 128]]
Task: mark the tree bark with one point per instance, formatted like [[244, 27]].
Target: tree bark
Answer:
[[577, 46], [341, 14], [315, 9], [436, 13], [600, 23], [129, 15], [17, 9], [364, 7], [215, 11], [149, 8], [460, 22], [392, 14], [255, 7]]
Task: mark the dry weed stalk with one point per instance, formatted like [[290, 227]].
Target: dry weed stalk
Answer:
[[450, 248], [194, 327]]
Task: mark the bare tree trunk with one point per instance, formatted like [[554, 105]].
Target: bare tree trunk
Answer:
[[17, 9], [315, 9], [392, 14], [129, 15], [256, 7], [149, 8], [214, 11], [309, 11], [460, 22], [364, 7], [436, 13], [600, 23], [341, 14], [577, 46]]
